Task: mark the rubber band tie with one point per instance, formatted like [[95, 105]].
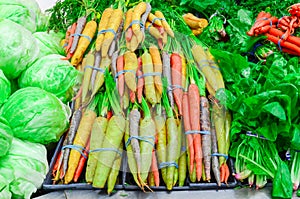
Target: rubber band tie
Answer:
[[81, 35], [78, 148], [150, 74], [135, 22], [141, 138], [105, 149], [101, 70], [123, 71], [157, 18], [167, 164], [249, 133], [107, 30], [220, 154], [173, 87], [197, 132]]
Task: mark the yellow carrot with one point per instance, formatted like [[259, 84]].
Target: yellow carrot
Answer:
[[87, 75], [149, 83], [183, 70], [103, 26], [113, 25], [157, 64], [154, 19], [81, 138], [84, 41], [153, 31], [165, 24], [131, 65], [136, 17]]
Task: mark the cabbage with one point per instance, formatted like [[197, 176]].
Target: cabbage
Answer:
[[4, 88], [53, 75], [18, 48], [36, 115], [23, 12], [49, 43], [23, 169], [6, 136]]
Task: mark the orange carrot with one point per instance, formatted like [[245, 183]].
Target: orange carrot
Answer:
[[121, 80], [55, 167], [283, 43], [176, 67], [140, 83], [71, 38], [194, 102], [109, 114], [154, 169], [132, 96], [291, 38], [82, 162], [187, 127], [227, 173]]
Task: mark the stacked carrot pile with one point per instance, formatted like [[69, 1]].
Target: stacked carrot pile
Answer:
[[279, 31], [148, 98]]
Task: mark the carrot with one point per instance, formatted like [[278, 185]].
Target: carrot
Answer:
[[175, 178], [150, 179], [179, 132], [219, 121], [154, 169], [182, 162], [105, 63], [109, 114], [138, 10], [55, 170], [214, 159], [96, 65], [126, 98], [130, 156], [227, 173], [157, 63], [140, 83], [283, 43], [87, 75], [120, 68], [153, 31], [176, 69], [75, 121], [194, 110], [154, 19], [84, 41], [134, 120], [113, 25], [114, 135], [194, 22], [64, 42], [97, 136], [81, 162], [197, 32], [127, 27], [149, 83], [161, 146], [165, 24], [167, 74], [81, 22], [291, 38], [130, 66], [147, 131], [103, 26], [206, 138], [113, 67], [81, 138], [132, 97], [71, 37], [183, 71], [113, 175], [172, 140], [134, 43], [144, 17]]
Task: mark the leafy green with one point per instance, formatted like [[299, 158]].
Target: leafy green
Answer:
[[282, 183]]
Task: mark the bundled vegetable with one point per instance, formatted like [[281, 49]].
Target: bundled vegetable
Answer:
[[4, 87]]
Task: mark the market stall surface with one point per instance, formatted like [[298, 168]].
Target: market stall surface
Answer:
[[207, 194]]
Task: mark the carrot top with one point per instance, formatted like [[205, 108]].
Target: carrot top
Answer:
[[104, 105], [165, 100], [112, 93], [145, 107]]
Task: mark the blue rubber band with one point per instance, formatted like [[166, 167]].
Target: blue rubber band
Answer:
[[288, 155], [81, 35], [135, 22], [78, 148], [173, 87], [149, 27], [167, 164], [124, 71], [183, 148], [141, 138], [157, 18], [150, 74], [65, 45], [249, 133], [197, 132], [279, 41], [101, 70], [105, 149], [108, 30], [220, 154]]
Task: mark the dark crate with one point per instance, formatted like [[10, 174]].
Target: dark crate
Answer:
[[49, 186]]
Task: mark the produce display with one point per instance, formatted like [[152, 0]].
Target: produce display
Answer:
[[152, 94]]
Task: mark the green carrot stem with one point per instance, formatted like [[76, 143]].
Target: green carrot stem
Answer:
[[165, 99], [104, 105], [145, 108], [113, 94]]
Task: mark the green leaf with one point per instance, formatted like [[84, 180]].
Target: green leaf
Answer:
[[275, 109], [282, 183], [295, 143], [245, 16]]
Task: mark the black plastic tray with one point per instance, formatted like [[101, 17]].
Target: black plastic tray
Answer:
[[129, 184], [48, 183]]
